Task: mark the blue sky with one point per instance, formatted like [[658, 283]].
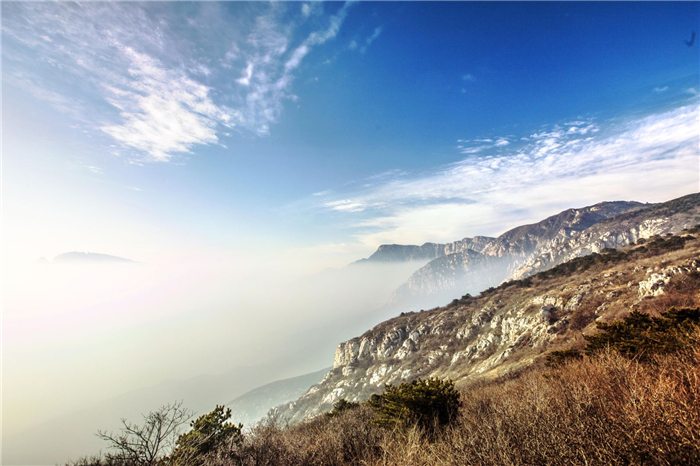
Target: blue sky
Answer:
[[328, 128]]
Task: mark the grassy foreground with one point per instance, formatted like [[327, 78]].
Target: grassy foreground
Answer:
[[600, 409]]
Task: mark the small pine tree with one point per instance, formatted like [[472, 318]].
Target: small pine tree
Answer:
[[640, 334], [341, 406], [209, 432], [427, 403]]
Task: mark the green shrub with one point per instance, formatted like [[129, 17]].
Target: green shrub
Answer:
[[427, 404], [209, 432], [557, 358], [341, 406], [641, 334]]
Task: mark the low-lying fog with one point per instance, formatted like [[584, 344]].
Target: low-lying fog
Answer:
[[86, 344]]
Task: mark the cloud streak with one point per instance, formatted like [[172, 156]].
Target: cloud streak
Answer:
[[165, 100], [164, 112], [648, 159]]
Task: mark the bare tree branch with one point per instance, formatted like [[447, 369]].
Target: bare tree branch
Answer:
[[146, 444]]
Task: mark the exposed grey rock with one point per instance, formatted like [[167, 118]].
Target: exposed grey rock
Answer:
[[463, 341], [477, 265]]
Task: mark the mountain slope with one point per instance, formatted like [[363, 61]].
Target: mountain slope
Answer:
[[618, 231], [465, 272], [505, 329], [252, 406]]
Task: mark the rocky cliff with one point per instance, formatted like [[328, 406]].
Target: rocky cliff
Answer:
[[507, 328], [497, 259], [529, 249]]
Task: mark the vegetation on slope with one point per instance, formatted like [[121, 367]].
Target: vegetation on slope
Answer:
[[607, 407], [628, 393]]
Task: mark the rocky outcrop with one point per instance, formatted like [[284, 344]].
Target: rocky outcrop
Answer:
[[657, 280], [492, 334], [616, 232], [472, 268]]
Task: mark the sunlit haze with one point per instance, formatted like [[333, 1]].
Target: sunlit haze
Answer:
[[236, 150]]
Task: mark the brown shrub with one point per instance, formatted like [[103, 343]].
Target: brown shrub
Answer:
[[604, 410], [599, 410]]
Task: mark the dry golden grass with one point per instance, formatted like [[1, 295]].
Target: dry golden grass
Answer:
[[601, 410], [597, 411]]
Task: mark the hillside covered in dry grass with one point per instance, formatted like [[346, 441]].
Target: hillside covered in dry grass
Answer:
[[507, 329], [608, 372]]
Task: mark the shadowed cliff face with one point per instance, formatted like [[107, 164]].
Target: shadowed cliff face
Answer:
[[428, 251], [506, 329], [476, 264], [615, 232]]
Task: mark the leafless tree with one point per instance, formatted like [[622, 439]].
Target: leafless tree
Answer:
[[148, 443]]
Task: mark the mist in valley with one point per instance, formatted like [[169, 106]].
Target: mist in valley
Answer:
[[87, 344]]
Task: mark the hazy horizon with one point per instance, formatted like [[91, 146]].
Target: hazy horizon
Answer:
[[236, 150]]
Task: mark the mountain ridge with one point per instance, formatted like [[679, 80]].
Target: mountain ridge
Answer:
[[498, 332], [440, 279], [76, 257]]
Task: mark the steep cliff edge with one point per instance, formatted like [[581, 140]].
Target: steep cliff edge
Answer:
[[529, 249], [464, 271], [503, 329]]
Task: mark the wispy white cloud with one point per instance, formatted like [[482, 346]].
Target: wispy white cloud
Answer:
[[270, 64], [311, 9], [647, 159], [468, 77], [305, 9], [388, 174], [661, 89], [370, 39], [164, 100], [346, 205], [164, 112], [362, 45], [483, 144], [247, 74]]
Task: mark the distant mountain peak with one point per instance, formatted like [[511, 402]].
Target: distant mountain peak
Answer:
[[76, 257], [530, 248]]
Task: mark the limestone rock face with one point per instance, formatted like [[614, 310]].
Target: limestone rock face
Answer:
[[504, 330], [657, 279], [473, 264]]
